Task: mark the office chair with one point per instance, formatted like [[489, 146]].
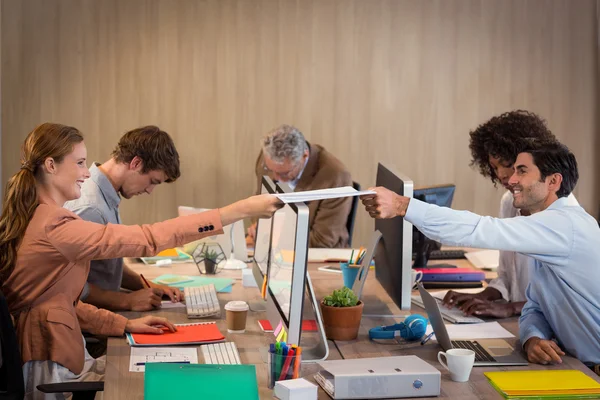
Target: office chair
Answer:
[[12, 386], [352, 215]]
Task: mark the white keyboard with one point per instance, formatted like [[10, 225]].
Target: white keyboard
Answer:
[[221, 353], [201, 301], [453, 314]]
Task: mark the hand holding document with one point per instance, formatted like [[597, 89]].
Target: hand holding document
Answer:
[[323, 194]]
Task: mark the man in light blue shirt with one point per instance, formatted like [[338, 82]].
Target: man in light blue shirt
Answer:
[[562, 311]]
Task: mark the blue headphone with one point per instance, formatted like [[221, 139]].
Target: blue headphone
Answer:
[[413, 328]]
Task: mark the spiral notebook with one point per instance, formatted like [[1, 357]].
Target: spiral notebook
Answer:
[[195, 333]]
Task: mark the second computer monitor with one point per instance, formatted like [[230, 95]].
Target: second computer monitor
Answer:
[[287, 268], [393, 256], [440, 195]]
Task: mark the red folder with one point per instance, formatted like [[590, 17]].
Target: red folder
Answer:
[[198, 333]]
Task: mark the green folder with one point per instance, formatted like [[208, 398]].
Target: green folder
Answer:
[[164, 381]]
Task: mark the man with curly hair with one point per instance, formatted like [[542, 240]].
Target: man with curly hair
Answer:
[[494, 146]]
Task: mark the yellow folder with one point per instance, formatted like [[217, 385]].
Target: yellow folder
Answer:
[[543, 383], [168, 253]]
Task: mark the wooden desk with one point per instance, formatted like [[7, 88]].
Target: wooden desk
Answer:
[[122, 384]]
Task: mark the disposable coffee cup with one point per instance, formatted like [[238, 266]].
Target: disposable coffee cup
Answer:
[[236, 312]]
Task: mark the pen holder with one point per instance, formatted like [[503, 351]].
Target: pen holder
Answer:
[[282, 367], [349, 273]]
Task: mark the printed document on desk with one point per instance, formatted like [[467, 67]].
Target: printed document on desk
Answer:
[[485, 259], [165, 304], [321, 255], [323, 194], [486, 330], [440, 294], [142, 355]]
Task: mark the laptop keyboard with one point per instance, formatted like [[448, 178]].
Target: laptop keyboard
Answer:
[[481, 354]]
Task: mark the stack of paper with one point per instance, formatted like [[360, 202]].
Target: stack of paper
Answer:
[[484, 330], [222, 285], [323, 194], [440, 294], [330, 255], [544, 384], [485, 259]]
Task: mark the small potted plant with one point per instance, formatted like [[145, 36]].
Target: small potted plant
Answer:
[[341, 312], [210, 261], [208, 257]]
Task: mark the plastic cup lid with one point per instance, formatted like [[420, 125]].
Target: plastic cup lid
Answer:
[[236, 306]]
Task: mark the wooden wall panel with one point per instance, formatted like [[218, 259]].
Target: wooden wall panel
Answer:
[[401, 82]]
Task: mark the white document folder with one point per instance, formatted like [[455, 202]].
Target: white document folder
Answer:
[[321, 194], [379, 378]]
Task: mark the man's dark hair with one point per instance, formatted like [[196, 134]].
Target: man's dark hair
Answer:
[[502, 137], [154, 147], [552, 157]]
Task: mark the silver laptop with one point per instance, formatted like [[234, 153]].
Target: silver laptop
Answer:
[[488, 352]]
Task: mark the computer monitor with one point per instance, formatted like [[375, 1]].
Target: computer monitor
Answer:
[[287, 269], [393, 255], [442, 196], [281, 251]]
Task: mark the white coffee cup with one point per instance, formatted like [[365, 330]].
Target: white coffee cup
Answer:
[[459, 363], [416, 276]]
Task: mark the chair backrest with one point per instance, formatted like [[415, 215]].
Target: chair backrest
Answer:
[[11, 372], [352, 215]]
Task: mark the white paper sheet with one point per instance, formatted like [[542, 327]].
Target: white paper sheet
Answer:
[[169, 304], [486, 330], [311, 195], [141, 355], [442, 293], [325, 255], [485, 259]]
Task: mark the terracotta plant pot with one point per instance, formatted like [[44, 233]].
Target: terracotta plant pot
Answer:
[[342, 323]]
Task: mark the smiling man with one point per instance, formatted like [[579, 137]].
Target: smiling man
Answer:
[[143, 158], [562, 312], [287, 157], [494, 148]]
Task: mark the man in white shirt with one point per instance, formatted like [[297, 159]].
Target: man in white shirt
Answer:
[[493, 148]]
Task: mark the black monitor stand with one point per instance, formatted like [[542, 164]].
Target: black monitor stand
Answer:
[[423, 248]]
